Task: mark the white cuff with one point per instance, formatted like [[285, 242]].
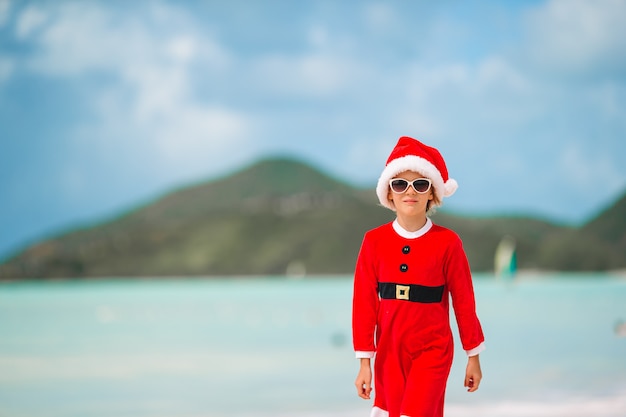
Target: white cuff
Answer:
[[476, 350], [360, 354]]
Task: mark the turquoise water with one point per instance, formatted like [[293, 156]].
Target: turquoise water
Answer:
[[279, 347]]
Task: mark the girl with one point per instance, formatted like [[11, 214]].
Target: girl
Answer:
[[406, 272]]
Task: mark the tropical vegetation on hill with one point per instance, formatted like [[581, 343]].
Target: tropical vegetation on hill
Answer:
[[281, 216]]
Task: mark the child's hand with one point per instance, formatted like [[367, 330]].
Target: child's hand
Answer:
[[364, 380], [473, 374]]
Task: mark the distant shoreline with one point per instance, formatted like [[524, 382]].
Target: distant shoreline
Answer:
[[521, 275]]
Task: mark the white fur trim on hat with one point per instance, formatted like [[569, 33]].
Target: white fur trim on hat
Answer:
[[415, 164], [450, 187]]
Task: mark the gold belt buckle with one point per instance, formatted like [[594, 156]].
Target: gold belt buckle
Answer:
[[402, 292]]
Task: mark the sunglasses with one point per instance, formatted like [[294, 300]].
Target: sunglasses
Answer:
[[400, 185]]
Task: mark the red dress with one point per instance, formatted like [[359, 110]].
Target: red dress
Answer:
[[402, 288]]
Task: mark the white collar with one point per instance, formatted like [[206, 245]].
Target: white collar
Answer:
[[412, 235]]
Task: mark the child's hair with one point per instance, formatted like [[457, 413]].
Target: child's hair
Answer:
[[431, 206]]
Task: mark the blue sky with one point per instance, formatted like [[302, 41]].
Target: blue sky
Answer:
[[108, 104]]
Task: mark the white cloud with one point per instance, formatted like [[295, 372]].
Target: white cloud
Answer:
[[31, 19], [158, 91], [318, 36], [5, 8], [78, 41], [447, 99], [367, 153], [425, 83], [89, 37], [578, 36], [201, 134], [496, 72], [181, 49], [589, 170], [379, 17], [316, 75], [150, 100], [174, 94], [86, 37]]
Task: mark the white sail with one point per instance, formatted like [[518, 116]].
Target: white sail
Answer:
[[505, 261]]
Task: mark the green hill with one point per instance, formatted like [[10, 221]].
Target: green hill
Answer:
[[281, 215]]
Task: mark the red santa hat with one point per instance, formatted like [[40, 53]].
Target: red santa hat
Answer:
[[412, 155]]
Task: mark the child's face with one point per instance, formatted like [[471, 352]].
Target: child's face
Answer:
[[410, 202]]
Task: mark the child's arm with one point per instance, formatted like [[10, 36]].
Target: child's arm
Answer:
[[364, 379], [473, 374]]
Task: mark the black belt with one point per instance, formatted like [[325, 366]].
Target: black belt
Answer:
[[415, 293]]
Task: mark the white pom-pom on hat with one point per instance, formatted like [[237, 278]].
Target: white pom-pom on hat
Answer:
[[412, 155]]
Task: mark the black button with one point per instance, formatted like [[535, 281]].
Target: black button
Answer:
[[406, 249], [404, 267]]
